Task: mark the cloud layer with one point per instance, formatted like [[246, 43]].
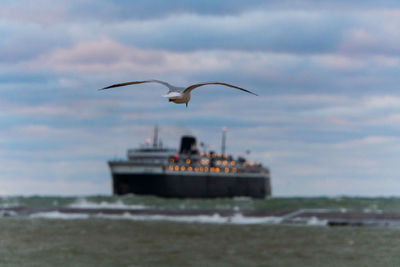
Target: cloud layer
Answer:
[[326, 120]]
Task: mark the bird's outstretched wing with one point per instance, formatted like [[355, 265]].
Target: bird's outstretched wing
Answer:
[[171, 87], [194, 86]]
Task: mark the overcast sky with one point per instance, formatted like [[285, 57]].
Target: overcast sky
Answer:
[[326, 121]]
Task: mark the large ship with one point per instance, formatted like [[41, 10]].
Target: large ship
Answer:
[[187, 173]]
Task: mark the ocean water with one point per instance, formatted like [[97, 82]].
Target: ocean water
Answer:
[[241, 203], [47, 237]]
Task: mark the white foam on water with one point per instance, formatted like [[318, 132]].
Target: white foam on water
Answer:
[[83, 203], [213, 219], [236, 219], [59, 215], [189, 219], [240, 219], [314, 221]]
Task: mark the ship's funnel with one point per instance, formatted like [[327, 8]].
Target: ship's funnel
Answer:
[[188, 145]]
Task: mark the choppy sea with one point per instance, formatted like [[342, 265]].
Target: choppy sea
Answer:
[[40, 235]]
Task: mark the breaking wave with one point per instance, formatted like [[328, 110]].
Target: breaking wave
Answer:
[[83, 203], [238, 218]]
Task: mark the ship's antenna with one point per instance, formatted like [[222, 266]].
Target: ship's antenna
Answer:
[[155, 139], [223, 145], [204, 146]]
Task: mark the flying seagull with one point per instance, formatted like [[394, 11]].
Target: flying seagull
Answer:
[[178, 95]]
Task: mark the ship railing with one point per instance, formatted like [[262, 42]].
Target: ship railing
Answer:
[[200, 168], [212, 164]]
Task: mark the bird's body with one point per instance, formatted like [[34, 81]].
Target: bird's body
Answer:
[[178, 95], [178, 98]]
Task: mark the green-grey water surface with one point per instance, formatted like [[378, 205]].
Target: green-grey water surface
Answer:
[[276, 203], [96, 241], [102, 242]]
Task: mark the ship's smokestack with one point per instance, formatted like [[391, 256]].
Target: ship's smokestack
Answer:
[[223, 141], [188, 145]]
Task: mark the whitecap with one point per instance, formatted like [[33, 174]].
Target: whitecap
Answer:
[[212, 219], [83, 203], [314, 221], [59, 215]]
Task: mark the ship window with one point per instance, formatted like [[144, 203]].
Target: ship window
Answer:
[[205, 161]]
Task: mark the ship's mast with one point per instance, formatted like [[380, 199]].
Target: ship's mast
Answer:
[[223, 141], [155, 138]]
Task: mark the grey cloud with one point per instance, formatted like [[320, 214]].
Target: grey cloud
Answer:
[[21, 42], [48, 12], [295, 32], [282, 31]]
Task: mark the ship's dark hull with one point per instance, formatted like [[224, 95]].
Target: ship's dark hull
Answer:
[[191, 186]]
